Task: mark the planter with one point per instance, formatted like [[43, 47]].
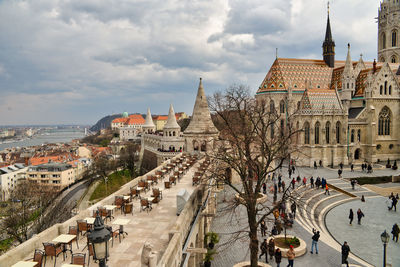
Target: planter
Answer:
[[299, 251], [207, 264], [247, 264], [260, 199]]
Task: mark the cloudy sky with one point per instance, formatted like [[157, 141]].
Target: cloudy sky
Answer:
[[74, 61]]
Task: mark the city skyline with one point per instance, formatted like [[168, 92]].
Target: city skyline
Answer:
[[75, 62]]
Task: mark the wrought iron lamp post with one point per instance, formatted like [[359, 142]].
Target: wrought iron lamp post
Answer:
[[385, 239], [99, 237]]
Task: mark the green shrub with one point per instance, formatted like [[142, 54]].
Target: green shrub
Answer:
[[294, 241]]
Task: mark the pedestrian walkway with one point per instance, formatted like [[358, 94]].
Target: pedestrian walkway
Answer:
[[314, 205]]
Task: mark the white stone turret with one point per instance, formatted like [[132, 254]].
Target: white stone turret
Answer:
[[171, 127], [348, 79], [149, 125], [201, 132]]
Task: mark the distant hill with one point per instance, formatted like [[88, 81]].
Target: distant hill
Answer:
[[104, 122]]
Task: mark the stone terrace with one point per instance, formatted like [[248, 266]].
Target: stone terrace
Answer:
[[152, 227]]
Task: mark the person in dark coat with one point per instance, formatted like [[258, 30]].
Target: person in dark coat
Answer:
[[360, 214], [293, 209], [315, 164], [314, 243], [263, 228], [293, 183], [345, 253], [394, 203], [278, 257], [264, 187], [323, 183], [264, 250], [395, 232], [351, 216], [271, 248]]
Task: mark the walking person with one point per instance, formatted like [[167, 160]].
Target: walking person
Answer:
[[394, 203], [323, 183], [389, 203], [315, 164], [290, 255], [279, 185], [360, 214], [345, 253], [264, 250], [327, 189], [314, 243], [340, 173], [263, 228], [304, 181], [351, 216], [283, 186], [293, 183], [352, 167], [271, 248], [312, 182], [395, 232], [293, 209], [278, 257], [352, 182], [264, 187]]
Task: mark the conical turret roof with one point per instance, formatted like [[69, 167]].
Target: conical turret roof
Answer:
[[201, 122], [171, 121], [348, 67], [149, 120]]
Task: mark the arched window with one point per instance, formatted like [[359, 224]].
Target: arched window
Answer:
[[352, 136], [393, 59], [306, 133], [316, 133], [384, 122], [338, 132], [390, 89], [348, 85], [327, 131], [272, 106], [381, 89], [385, 87], [394, 38], [298, 105], [359, 135], [282, 107], [272, 130], [383, 41]]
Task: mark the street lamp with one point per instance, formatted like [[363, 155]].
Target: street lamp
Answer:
[[385, 239], [99, 238]]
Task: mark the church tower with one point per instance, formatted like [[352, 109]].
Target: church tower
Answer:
[[388, 31], [329, 45]]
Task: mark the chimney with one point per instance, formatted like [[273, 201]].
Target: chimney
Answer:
[[374, 66]]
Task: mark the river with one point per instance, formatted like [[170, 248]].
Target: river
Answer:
[[49, 136]]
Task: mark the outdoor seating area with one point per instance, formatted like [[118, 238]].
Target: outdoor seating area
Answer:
[[196, 179], [73, 248]]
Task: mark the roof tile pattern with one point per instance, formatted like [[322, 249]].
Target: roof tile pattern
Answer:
[[318, 100]]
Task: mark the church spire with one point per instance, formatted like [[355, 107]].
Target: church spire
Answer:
[[329, 45], [171, 121], [348, 67]]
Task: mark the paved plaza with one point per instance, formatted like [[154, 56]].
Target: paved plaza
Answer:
[[334, 227]]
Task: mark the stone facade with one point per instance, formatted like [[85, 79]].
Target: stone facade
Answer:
[[346, 113], [388, 31]]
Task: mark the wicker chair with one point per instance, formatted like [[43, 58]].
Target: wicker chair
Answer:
[[82, 227], [51, 250], [38, 256], [145, 205], [73, 230], [79, 259], [128, 208]]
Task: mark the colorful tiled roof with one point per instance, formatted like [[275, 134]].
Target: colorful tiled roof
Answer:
[[287, 72], [318, 100]]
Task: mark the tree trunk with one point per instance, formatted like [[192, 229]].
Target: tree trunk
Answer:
[[253, 236]]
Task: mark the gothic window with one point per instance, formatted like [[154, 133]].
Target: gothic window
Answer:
[[272, 106], [394, 38], [306, 133], [327, 131], [316, 133], [385, 87], [393, 60], [383, 41], [390, 89], [381, 89], [272, 130], [338, 132], [359, 135], [298, 105], [348, 85], [384, 122], [203, 146], [282, 107], [352, 136]]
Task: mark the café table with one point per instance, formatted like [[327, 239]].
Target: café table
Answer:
[[121, 223], [64, 239], [90, 220], [25, 264]]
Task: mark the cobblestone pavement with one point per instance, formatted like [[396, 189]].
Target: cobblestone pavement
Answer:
[[329, 255]]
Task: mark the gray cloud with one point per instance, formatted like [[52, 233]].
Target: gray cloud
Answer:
[[75, 61]]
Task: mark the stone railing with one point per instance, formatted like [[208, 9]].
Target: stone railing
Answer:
[[173, 253], [27, 248]]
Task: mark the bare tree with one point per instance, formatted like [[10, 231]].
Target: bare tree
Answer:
[[254, 141], [24, 210], [129, 157]]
